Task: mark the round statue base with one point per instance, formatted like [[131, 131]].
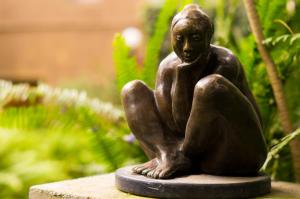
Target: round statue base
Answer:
[[192, 186]]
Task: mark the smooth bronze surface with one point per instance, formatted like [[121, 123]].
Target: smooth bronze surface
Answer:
[[201, 116]]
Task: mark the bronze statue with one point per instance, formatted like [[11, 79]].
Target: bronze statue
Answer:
[[201, 116]]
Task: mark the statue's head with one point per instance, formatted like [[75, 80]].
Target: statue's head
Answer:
[[191, 33]]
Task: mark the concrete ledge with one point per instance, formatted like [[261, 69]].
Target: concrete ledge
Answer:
[[103, 187]]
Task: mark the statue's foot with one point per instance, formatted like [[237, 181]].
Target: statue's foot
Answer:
[[145, 168], [173, 163]]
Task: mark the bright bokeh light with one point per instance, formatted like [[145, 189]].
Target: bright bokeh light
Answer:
[[133, 37], [291, 6]]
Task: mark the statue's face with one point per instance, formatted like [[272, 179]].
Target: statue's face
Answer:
[[190, 40]]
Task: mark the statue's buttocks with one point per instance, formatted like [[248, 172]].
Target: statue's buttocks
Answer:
[[201, 114]]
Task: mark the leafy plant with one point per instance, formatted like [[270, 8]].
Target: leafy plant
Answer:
[[270, 11], [276, 80], [126, 66], [49, 134], [274, 151]]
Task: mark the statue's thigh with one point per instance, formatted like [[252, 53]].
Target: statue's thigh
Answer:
[[139, 103], [238, 145], [142, 115], [222, 101]]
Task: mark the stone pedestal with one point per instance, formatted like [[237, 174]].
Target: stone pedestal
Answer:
[[103, 187], [193, 186]]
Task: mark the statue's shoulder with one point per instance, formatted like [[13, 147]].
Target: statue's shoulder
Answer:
[[167, 67], [169, 62], [224, 56], [227, 64]]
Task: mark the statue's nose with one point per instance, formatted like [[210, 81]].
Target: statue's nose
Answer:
[[187, 48]]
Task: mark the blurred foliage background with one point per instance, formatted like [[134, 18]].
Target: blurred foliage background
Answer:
[[49, 134]]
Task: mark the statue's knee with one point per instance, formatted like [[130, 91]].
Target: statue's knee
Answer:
[[132, 88], [210, 84]]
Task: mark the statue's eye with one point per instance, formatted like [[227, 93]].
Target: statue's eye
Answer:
[[196, 37], [178, 38]]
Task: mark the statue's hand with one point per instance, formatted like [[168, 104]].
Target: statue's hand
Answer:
[[194, 65], [184, 66]]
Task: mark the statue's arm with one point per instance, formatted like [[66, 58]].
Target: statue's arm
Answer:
[[162, 93], [182, 97]]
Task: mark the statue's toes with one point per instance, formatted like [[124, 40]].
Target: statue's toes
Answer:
[[135, 169], [139, 169], [150, 173], [146, 171], [145, 168], [156, 173], [166, 173]]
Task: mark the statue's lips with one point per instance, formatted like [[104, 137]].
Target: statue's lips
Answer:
[[188, 57], [191, 60]]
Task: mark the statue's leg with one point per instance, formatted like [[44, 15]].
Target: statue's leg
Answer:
[[223, 133], [145, 123]]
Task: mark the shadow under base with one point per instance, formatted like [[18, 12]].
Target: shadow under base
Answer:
[[192, 186]]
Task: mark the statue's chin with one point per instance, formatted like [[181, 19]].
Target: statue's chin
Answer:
[[191, 60], [187, 63]]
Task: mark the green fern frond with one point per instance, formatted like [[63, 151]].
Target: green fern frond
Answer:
[[263, 9], [103, 145], [273, 153], [24, 95], [61, 113], [268, 12], [284, 24], [247, 55], [286, 39], [126, 66], [154, 44], [225, 13]]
